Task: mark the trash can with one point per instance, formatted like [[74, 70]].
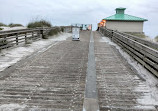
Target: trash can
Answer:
[[75, 33]]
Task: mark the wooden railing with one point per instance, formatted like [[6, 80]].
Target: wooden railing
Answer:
[[16, 37], [141, 40], [67, 28], [145, 52]]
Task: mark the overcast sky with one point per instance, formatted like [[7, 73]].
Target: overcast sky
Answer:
[[66, 12]]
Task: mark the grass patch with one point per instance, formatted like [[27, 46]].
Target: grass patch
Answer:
[[62, 29], [2, 24], [54, 31], [156, 38], [41, 23], [3, 42], [44, 23], [28, 41], [14, 25]]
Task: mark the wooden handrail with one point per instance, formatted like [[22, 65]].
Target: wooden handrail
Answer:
[[14, 37], [140, 51]]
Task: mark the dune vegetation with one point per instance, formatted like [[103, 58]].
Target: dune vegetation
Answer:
[[40, 23]]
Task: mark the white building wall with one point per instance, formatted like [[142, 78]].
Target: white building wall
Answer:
[[125, 26]]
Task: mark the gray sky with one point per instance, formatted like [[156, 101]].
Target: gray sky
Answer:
[[66, 12]]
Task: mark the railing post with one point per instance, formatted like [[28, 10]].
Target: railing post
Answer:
[[41, 32], [5, 40], [104, 32], [25, 38], [112, 35], [16, 39], [38, 34], [32, 35]]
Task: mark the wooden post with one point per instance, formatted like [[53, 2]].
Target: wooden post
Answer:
[[5, 40], [41, 32], [71, 28], [112, 35], [91, 27], [25, 38], [16, 39], [104, 33], [32, 35], [38, 34]]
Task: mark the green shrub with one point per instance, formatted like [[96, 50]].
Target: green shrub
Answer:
[[54, 31], [2, 24], [62, 29], [1, 28], [156, 38], [28, 41], [41, 23], [3, 42], [14, 25], [51, 32]]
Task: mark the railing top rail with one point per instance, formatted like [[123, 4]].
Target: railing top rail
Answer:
[[2, 33], [144, 54], [135, 38], [146, 42], [144, 46], [18, 30]]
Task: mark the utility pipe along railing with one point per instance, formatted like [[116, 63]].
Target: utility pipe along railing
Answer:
[[16, 37], [139, 50]]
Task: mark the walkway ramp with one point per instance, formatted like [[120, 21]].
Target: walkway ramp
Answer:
[[55, 80], [119, 87]]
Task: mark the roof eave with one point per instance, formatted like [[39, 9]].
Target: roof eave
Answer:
[[125, 20]]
